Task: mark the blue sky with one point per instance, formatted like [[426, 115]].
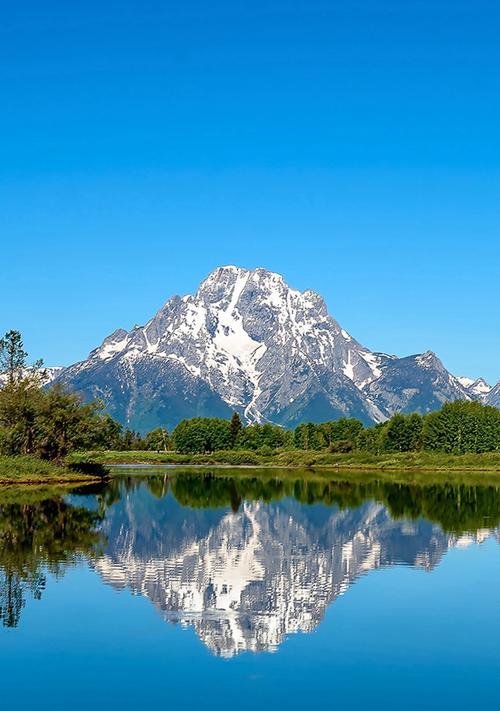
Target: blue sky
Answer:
[[351, 146]]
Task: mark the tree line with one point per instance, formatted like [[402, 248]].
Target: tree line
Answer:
[[460, 427], [50, 422]]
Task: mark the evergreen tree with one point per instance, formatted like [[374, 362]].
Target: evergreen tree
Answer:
[[236, 428]]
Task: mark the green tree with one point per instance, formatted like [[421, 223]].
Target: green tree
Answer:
[[370, 439], [236, 428], [268, 436], [345, 430], [403, 433], [64, 424], [309, 435], [20, 402], [202, 434], [157, 440], [108, 433], [131, 441], [461, 427], [12, 356]]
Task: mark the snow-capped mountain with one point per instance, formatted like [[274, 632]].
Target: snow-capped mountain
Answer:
[[478, 388], [245, 580], [248, 342]]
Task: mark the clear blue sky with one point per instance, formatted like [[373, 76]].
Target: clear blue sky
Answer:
[[351, 146]]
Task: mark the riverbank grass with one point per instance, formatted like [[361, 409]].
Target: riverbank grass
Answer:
[[400, 461], [31, 470]]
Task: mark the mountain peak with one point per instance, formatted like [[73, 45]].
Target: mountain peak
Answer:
[[429, 359], [230, 273]]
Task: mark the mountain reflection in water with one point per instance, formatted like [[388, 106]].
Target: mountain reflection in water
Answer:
[[245, 560]]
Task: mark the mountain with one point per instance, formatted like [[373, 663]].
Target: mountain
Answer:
[[418, 383], [247, 342]]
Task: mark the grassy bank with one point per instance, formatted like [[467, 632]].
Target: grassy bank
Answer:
[[31, 470], [407, 461]]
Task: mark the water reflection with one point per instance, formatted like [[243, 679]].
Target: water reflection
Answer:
[[37, 537], [244, 560], [285, 550]]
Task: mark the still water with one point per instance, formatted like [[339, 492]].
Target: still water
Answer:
[[261, 590]]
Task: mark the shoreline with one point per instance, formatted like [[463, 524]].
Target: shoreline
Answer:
[[296, 459], [60, 481], [294, 467], [344, 475], [27, 470], [95, 467]]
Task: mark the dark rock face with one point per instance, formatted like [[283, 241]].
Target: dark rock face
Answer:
[[247, 342]]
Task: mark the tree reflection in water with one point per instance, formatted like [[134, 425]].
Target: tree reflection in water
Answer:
[[456, 507], [36, 538]]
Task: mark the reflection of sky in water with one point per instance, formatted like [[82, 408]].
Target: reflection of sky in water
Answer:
[[185, 586]]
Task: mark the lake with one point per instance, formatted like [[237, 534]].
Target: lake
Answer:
[[250, 589]]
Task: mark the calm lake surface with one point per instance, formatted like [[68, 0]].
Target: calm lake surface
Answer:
[[260, 590]]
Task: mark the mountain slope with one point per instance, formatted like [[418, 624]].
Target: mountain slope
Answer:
[[248, 342], [418, 383], [493, 397]]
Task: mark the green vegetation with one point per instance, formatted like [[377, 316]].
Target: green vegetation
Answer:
[[29, 469], [427, 461], [459, 428], [462, 436], [32, 470], [39, 427]]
